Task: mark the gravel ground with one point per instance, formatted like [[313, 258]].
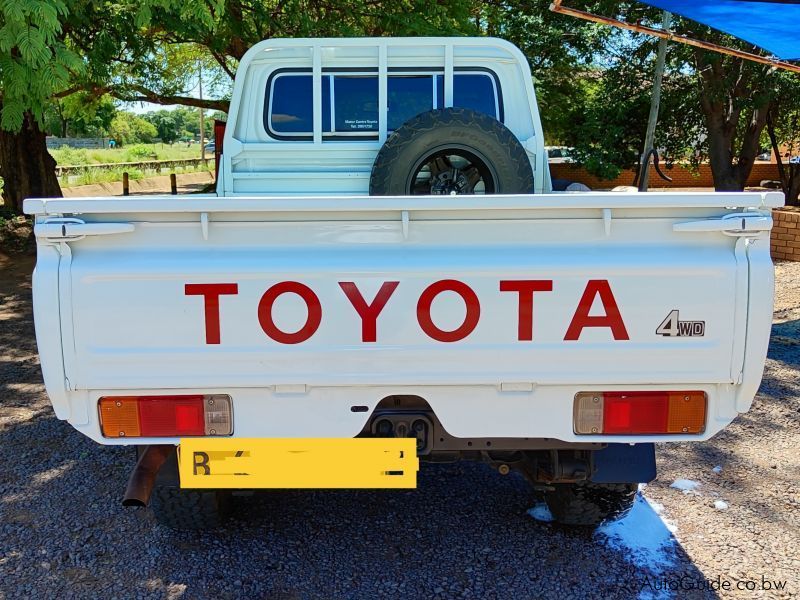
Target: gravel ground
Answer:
[[464, 532]]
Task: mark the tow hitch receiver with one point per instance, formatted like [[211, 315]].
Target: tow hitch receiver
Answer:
[[404, 424]]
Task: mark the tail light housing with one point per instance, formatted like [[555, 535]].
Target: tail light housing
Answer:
[[165, 416], [639, 413]]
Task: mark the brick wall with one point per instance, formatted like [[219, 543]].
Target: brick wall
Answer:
[[785, 239], [681, 176]]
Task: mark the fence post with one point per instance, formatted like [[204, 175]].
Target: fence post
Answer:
[[125, 184], [173, 183]]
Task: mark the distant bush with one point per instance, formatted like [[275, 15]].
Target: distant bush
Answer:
[[127, 128], [139, 152]]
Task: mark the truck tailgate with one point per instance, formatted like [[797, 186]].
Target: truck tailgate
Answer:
[[510, 292]]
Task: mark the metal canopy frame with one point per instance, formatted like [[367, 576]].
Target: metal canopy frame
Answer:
[[557, 7]]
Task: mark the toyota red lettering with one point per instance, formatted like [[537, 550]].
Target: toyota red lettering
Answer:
[[526, 289], [211, 293], [369, 312], [312, 321]]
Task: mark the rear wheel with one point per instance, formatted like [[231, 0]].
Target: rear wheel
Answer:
[[189, 509], [589, 504]]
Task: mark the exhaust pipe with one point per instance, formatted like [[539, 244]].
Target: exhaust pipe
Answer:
[[143, 476]]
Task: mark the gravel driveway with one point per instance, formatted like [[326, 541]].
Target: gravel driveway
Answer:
[[465, 532]]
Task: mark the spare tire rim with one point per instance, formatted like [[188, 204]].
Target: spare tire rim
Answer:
[[452, 170]]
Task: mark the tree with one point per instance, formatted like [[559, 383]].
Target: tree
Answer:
[[219, 32], [783, 134], [127, 128], [167, 127], [714, 106], [560, 51], [179, 124], [80, 115], [602, 107], [35, 66]]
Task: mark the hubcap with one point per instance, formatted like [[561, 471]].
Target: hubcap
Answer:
[[452, 172]]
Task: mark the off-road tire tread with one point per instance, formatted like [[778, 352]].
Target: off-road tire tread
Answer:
[[188, 509], [441, 119], [589, 504]]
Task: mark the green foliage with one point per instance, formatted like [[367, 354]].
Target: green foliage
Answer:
[[139, 152], [80, 115], [59, 60], [713, 106], [110, 175], [35, 60], [166, 125], [182, 123], [608, 105], [71, 156], [133, 153], [127, 128], [105, 176], [783, 133], [560, 51]]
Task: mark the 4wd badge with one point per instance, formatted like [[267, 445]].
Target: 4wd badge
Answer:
[[672, 326]]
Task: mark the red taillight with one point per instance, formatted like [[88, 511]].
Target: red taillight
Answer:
[[161, 416], [643, 413], [165, 416], [639, 413]]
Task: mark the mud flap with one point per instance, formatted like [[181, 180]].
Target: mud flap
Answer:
[[623, 463]]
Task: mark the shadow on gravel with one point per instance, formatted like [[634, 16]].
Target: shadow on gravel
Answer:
[[464, 532], [784, 344]]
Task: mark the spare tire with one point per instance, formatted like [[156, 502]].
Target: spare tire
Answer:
[[451, 151]]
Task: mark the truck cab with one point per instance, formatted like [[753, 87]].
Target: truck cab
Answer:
[[310, 116]]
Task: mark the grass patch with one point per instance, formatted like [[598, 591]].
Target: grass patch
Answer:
[[134, 153], [91, 176]]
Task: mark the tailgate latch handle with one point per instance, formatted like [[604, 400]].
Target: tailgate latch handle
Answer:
[[736, 225], [69, 229]]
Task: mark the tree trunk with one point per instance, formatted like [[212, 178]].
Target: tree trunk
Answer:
[[731, 169], [790, 180], [723, 116], [27, 169], [720, 155], [751, 143]]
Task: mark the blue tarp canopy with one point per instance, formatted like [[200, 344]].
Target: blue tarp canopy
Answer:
[[771, 24]]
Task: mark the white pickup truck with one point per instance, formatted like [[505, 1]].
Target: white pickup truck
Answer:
[[385, 274]]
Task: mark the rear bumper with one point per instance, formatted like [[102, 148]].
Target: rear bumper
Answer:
[[464, 412]]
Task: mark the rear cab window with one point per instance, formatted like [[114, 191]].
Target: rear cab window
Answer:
[[350, 100]]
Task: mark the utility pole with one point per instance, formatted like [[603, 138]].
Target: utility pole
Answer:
[[202, 118], [655, 103]]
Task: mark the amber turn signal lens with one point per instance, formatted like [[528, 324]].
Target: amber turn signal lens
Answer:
[[119, 416], [687, 413]]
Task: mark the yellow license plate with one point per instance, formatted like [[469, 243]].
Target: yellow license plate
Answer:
[[253, 463]]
